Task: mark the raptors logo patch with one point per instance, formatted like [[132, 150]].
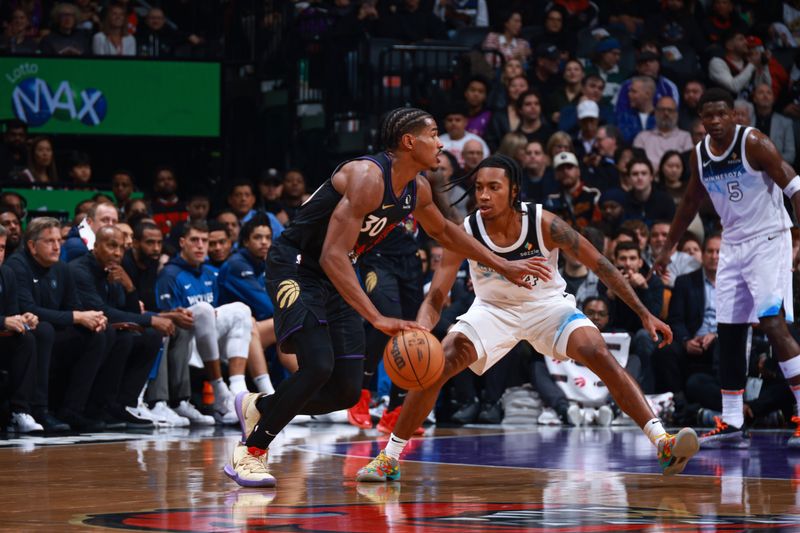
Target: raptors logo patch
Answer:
[[370, 282], [288, 291]]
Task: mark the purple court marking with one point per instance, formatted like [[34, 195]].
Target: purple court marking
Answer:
[[592, 450]]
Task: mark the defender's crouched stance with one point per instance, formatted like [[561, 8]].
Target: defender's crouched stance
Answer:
[[504, 314]]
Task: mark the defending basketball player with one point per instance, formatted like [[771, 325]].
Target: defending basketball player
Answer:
[[544, 315], [744, 175], [311, 278]]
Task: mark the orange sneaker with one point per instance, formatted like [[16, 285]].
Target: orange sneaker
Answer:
[[794, 440], [389, 420], [358, 415]]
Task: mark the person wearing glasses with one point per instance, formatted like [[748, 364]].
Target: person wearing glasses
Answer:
[[666, 135]]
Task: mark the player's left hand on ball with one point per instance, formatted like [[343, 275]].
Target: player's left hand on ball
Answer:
[[393, 326], [654, 326], [519, 271]]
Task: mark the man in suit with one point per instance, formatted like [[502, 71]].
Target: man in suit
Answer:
[[693, 319], [778, 127]]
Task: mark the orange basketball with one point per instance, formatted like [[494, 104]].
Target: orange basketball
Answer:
[[414, 359]]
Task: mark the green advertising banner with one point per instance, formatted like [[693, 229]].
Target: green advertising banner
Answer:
[[111, 96]]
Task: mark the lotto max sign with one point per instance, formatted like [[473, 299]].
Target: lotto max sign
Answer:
[[111, 97]]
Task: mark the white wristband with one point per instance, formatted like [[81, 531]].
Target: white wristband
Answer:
[[792, 188]]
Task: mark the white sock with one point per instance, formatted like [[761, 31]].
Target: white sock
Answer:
[[654, 431], [395, 446], [264, 384], [237, 384], [220, 390], [732, 405], [790, 369]]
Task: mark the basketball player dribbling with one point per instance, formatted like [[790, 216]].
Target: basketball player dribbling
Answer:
[[503, 314], [744, 175], [318, 298]]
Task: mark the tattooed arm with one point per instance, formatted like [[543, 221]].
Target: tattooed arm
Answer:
[[558, 234]]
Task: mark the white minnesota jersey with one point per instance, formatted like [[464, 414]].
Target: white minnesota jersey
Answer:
[[491, 287], [749, 203]]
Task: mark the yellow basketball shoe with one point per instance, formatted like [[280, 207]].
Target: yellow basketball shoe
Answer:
[[382, 468], [674, 451], [249, 467], [247, 412]]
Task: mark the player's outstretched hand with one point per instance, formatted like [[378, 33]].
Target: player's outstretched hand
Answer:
[[523, 271], [393, 326], [660, 263], [655, 327]]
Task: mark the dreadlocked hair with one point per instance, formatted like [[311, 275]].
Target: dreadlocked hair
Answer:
[[398, 122], [510, 166]]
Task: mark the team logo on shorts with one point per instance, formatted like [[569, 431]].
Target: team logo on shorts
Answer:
[[288, 291], [370, 282]]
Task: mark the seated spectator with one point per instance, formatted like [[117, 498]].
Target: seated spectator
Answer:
[[455, 124], [19, 349], [744, 113], [568, 93], [580, 15], [644, 201], [778, 127], [588, 119], [157, 39], [459, 14], [479, 115], [137, 207], [601, 167], [41, 162], [13, 229], [16, 39], [242, 201], [605, 63], [544, 77], [778, 74], [681, 263], [575, 203], [666, 135], [672, 174], [692, 317], [168, 209], [532, 123], [592, 88], [198, 206], [73, 339], [628, 259], [648, 63], [559, 142], [472, 152], [127, 235], [65, 39], [507, 41], [497, 94], [122, 185], [242, 279], [687, 111], [80, 171], [220, 244], [410, 23], [539, 180], [141, 262], [555, 32], [675, 25], [80, 239], [507, 120], [612, 210], [640, 116], [230, 222], [103, 284], [293, 195], [270, 188], [13, 150], [721, 20], [186, 283], [114, 39], [88, 17], [740, 69], [448, 170]]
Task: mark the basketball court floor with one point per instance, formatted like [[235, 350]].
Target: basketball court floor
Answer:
[[486, 479]]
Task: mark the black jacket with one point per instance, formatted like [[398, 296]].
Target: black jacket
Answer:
[[48, 293], [143, 280], [97, 294], [687, 305], [9, 305]]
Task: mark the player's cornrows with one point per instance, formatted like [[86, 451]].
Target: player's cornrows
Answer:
[[510, 166], [398, 122]]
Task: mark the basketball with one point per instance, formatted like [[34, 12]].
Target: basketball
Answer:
[[414, 359]]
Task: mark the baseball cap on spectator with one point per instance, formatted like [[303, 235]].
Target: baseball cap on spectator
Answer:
[[754, 42], [564, 158], [613, 195], [547, 51], [606, 45], [270, 176], [647, 56], [588, 109]]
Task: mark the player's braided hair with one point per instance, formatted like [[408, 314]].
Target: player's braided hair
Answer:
[[398, 122], [510, 166]]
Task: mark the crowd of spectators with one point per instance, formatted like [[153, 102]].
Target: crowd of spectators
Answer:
[[593, 100]]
